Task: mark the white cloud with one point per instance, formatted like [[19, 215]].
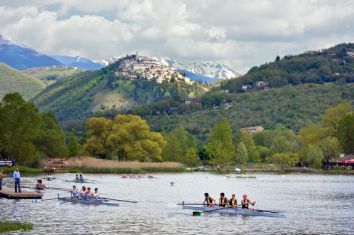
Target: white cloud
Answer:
[[239, 33]]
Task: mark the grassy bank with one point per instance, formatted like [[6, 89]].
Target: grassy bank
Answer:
[[23, 169], [6, 226]]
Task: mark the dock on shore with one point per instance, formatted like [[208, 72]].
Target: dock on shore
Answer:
[[10, 194]]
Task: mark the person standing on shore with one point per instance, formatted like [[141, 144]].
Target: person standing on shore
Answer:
[[1, 178], [17, 178]]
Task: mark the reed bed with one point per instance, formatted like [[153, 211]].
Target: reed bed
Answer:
[[95, 165]]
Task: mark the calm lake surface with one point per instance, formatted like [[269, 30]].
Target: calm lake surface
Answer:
[[313, 204]]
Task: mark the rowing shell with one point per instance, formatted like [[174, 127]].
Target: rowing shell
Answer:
[[234, 211], [80, 182], [96, 202]]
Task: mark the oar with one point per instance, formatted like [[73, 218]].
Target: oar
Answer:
[[62, 189], [191, 204], [275, 212], [49, 199], [197, 213], [118, 200]]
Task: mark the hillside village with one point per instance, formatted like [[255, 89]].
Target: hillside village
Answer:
[[149, 68]]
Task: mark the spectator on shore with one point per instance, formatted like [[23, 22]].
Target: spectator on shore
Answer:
[[17, 178]]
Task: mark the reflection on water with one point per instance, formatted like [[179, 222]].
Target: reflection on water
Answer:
[[313, 204]]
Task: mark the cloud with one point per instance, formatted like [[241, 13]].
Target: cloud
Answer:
[[239, 33]]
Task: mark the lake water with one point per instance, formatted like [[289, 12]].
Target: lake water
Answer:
[[313, 204]]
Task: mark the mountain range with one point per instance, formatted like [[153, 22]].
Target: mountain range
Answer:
[[22, 57]]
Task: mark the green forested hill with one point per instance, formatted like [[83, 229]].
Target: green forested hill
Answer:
[[49, 75], [12, 80], [291, 106], [81, 95], [328, 65]]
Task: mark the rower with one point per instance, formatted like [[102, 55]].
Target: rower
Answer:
[[209, 201], [246, 202], [82, 193], [77, 179], [40, 185], [49, 177], [88, 194], [74, 192], [222, 200], [95, 194], [233, 201], [81, 179]]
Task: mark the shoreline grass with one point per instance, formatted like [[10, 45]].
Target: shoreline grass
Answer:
[[10, 226], [23, 169]]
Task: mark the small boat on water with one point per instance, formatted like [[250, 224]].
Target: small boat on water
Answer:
[[232, 211], [241, 176], [96, 202]]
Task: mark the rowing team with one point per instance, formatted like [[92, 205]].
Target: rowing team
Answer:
[[79, 179], [84, 193], [224, 202]]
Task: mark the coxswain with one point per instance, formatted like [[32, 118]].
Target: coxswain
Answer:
[[246, 202], [74, 192], [222, 200], [40, 185], [233, 201], [209, 201], [82, 193], [81, 179], [95, 194]]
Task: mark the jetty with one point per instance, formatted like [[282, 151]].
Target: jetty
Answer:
[[10, 194]]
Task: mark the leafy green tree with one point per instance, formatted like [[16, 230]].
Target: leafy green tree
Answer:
[[73, 143], [311, 134], [131, 139], [332, 116], [191, 157], [179, 143], [330, 148], [220, 147], [346, 133], [19, 127], [314, 156], [97, 132], [284, 141], [283, 159], [50, 140], [241, 154], [247, 139]]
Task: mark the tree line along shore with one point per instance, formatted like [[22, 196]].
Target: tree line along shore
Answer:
[[32, 137]]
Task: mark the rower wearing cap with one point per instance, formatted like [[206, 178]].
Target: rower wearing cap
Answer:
[[246, 202], [233, 201], [222, 200], [209, 201]]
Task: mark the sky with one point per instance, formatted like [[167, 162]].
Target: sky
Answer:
[[237, 33]]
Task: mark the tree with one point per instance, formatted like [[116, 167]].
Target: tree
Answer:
[[131, 139], [72, 141], [330, 148], [283, 159], [97, 132], [220, 147], [19, 127], [247, 139], [50, 140], [314, 156], [332, 116], [311, 134], [179, 144], [346, 133], [284, 141], [241, 154]]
